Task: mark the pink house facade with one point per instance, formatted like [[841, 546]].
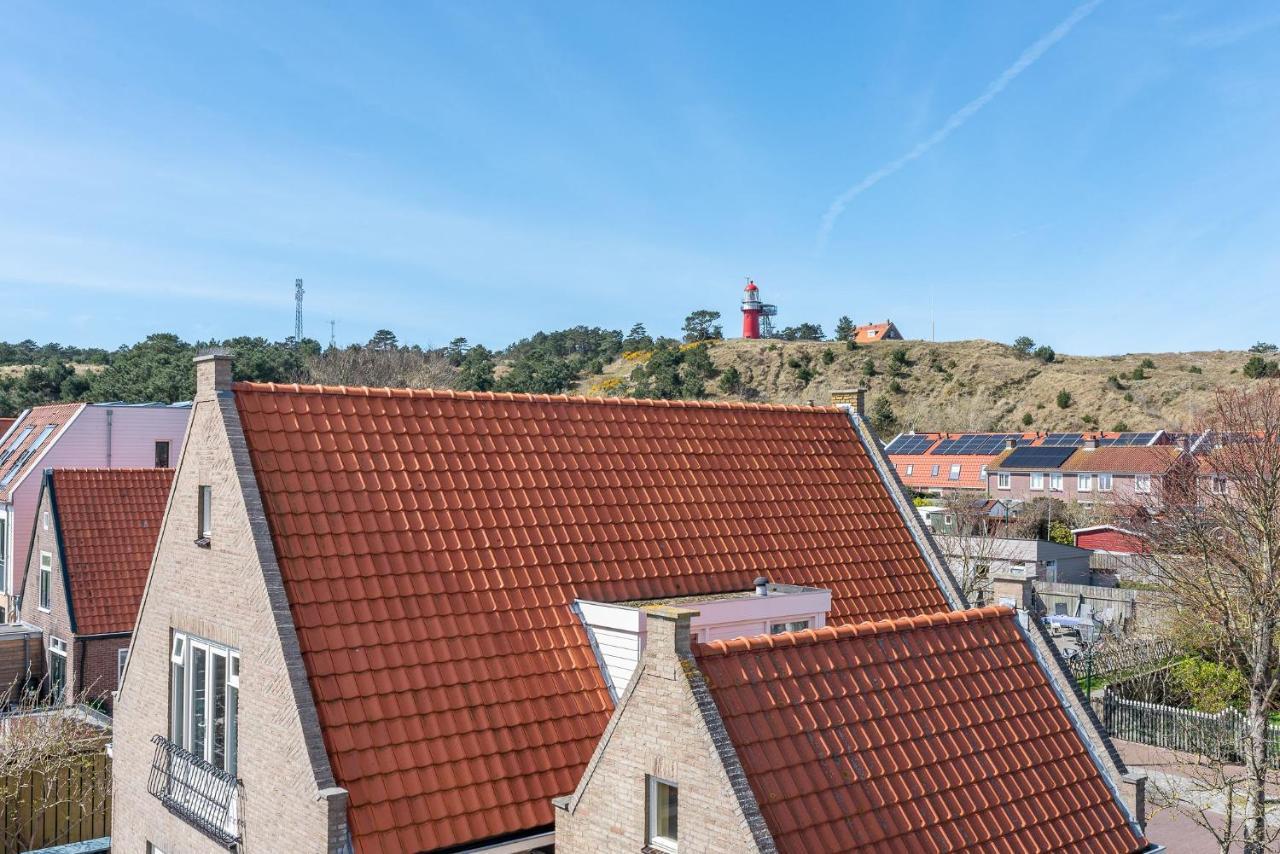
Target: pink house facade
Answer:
[[73, 435]]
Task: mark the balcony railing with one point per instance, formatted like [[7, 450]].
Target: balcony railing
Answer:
[[203, 795]]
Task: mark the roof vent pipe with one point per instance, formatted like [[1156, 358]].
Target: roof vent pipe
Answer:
[[762, 586]]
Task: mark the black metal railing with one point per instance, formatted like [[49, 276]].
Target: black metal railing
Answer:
[[201, 794]]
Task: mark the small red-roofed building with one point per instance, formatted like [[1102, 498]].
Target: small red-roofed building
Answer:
[[95, 534], [872, 332], [937, 732]]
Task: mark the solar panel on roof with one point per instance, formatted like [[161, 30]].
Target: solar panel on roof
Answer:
[[1061, 440], [1041, 457], [910, 443], [977, 444]]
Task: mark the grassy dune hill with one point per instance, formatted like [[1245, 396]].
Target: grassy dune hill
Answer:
[[972, 385]]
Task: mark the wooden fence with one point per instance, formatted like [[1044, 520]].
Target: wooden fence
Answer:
[[1122, 656], [1218, 736], [70, 804]]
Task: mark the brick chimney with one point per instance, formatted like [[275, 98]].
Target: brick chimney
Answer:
[[213, 375], [852, 397], [667, 634]]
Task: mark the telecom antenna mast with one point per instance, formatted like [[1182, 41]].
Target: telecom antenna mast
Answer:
[[297, 315], [333, 334]]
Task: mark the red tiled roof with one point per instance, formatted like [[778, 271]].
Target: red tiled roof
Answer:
[[922, 476], [932, 733], [39, 417], [432, 544], [871, 332], [108, 520], [5, 424], [1128, 459]]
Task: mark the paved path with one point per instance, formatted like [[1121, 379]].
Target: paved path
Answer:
[[1181, 776]]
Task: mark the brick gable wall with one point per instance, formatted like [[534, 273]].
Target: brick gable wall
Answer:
[[226, 594], [661, 728]]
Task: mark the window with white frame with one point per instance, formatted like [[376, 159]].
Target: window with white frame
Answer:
[[1142, 483], [910, 469], [663, 822], [57, 669], [4, 554], [46, 579], [1055, 481], [122, 656], [204, 699], [954, 474], [1104, 482], [1219, 486], [792, 626], [1037, 480], [1084, 482], [1004, 480], [933, 471], [982, 473], [204, 516]]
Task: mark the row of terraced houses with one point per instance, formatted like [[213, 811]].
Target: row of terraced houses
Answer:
[[386, 620]]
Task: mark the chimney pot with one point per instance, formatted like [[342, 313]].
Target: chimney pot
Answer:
[[213, 374], [762, 586]]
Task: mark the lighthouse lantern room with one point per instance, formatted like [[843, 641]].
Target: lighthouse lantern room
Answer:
[[757, 317]]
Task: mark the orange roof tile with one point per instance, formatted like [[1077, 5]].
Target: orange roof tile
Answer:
[[938, 732], [432, 544], [108, 521], [1156, 459], [870, 332], [922, 476], [17, 463]]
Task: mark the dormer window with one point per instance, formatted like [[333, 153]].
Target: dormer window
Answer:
[[664, 802], [791, 626], [204, 517]]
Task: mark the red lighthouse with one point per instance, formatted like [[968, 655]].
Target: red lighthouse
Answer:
[[756, 316]]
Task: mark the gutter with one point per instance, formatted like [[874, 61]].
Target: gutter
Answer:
[[515, 846]]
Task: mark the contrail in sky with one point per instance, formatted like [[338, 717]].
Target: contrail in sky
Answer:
[[957, 119]]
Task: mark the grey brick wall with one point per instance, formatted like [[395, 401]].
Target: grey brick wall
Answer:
[[660, 729], [226, 594]]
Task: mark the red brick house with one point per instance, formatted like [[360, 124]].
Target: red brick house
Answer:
[[94, 537], [889, 736], [364, 605], [1091, 474]]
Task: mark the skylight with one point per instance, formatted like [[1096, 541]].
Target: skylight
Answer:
[[27, 454], [13, 446]]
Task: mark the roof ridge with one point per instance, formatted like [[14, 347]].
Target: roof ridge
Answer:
[[520, 397], [851, 630], [106, 469]]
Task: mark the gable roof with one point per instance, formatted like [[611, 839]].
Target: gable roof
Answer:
[[938, 732], [19, 453], [873, 332], [432, 545], [1156, 459], [922, 477], [108, 521]]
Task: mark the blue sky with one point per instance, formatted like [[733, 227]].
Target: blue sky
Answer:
[[491, 169]]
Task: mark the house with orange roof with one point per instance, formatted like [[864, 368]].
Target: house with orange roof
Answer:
[[72, 435], [872, 332], [401, 620], [91, 551], [1091, 474], [936, 732]]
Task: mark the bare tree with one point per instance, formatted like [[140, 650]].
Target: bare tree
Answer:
[[1214, 543], [53, 767], [977, 544]]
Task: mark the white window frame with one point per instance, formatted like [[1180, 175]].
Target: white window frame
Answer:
[[1084, 482], [1142, 484], [982, 472], [182, 732], [45, 582], [204, 512], [954, 472], [1037, 481], [122, 658], [933, 471], [910, 469], [1105, 481], [661, 843], [58, 647], [1055, 481], [1004, 480], [789, 626]]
